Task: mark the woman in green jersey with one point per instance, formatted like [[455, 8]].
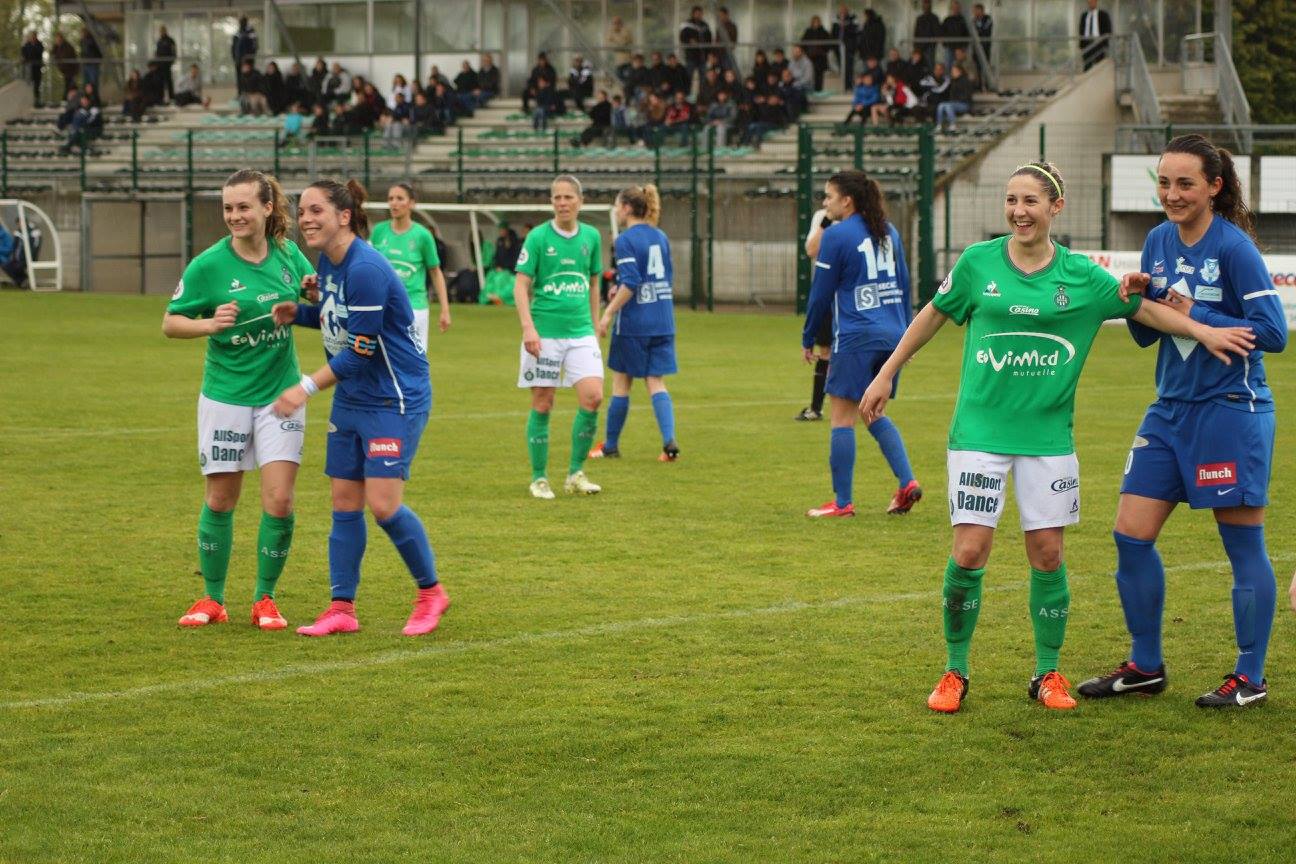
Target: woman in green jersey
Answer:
[[413, 255], [556, 291], [1032, 309], [226, 295]]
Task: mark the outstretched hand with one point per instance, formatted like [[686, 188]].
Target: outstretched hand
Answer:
[[1222, 341], [224, 316]]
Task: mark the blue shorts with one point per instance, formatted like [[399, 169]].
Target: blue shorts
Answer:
[[642, 356], [371, 443], [850, 374], [1204, 453]]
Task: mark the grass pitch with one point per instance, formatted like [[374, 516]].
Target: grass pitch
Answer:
[[682, 669]]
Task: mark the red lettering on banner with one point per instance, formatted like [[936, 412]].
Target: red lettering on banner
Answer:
[[379, 447], [1217, 474]]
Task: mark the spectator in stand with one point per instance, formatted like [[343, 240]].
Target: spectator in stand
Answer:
[[636, 76], [619, 39], [927, 31], [656, 71], [654, 119], [678, 78], [957, 102], [707, 89], [721, 116], [771, 83], [91, 92], [542, 71], [964, 62], [983, 27], [244, 43], [467, 88], [745, 108], [340, 121], [373, 100], [580, 82], [33, 60], [895, 65], [803, 70], [400, 84], [297, 86], [293, 124], [954, 31], [547, 104], [133, 96], [815, 41], [315, 83], [275, 89], [916, 69], [423, 117], [933, 89], [319, 120], [164, 52], [873, 69], [600, 114], [873, 36], [694, 37], [730, 84], [679, 118], [337, 86], [760, 67], [726, 37], [86, 125], [435, 77], [902, 101], [867, 94], [91, 58], [769, 116], [401, 107], [1095, 31], [488, 80], [845, 31], [153, 85], [779, 62], [188, 90], [621, 121], [251, 90], [65, 60], [70, 107], [794, 98], [713, 62]]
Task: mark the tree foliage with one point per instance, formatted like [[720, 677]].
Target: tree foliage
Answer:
[[1263, 32]]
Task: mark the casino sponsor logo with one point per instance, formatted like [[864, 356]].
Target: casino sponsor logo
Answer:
[[1041, 361], [1064, 484], [292, 426], [266, 298], [1022, 310], [1181, 267], [1217, 474], [1061, 298], [384, 447], [1208, 292], [1210, 270], [991, 290], [567, 262]]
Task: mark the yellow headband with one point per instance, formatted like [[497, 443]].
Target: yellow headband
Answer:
[[1045, 172]]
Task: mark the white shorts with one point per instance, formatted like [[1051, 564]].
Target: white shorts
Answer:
[[1047, 488], [421, 327], [240, 438], [562, 362]]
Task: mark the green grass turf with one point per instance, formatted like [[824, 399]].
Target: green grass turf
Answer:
[[682, 669]]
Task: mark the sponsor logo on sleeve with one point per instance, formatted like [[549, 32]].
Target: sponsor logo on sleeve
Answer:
[[1217, 474], [1210, 270], [179, 289], [384, 448], [944, 286], [524, 256]]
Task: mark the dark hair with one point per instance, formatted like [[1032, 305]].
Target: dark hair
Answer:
[[866, 197], [406, 187], [268, 192], [1217, 163], [644, 202], [1048, 176], [349, 197]]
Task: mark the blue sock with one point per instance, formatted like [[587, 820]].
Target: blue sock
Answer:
[[1140, 579], [665, 411], [841, 460], [346, 546], [411, 541], [616, 417], [893, 449], [1254, 594]]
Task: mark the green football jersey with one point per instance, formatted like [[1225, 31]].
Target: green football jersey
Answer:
[[411, 254], [561, 269], [1025, 346], [252, 362]]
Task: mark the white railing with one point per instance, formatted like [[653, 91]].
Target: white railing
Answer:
[[1234, 107]]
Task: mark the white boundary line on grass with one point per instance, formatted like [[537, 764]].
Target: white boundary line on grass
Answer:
[[446, 648]]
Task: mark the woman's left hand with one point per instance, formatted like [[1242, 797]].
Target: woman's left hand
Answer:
[[284, 313], [289, 401], [1176, 301], [444, 321]]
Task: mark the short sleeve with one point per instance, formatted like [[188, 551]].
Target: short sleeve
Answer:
[[427, 246], [529, 258], [191, 297], [301, 265], [627, 266], [1106, 288], [954, 296], [595, 252]]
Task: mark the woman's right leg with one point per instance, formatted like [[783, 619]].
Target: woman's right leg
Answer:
[[542, 399], [216, 530], [1140, 575]]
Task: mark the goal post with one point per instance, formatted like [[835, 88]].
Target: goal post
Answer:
[[37, 240]]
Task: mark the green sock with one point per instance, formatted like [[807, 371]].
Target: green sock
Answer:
[[584, 428], [273, 541], [1050, 601], [961, 602], [538, 443], [215, 538]]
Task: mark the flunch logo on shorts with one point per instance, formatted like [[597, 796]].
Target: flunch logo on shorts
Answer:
[[1217, 474], [1034, 362], [384, 447]]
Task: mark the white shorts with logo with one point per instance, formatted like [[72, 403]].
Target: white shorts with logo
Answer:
[[421, 327], [562, 362], [240, 437], [1047, 488]]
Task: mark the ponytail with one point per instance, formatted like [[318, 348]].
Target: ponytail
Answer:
[[866, 197], [349, 197], [644, 202], [268, 192], [1218, 163]]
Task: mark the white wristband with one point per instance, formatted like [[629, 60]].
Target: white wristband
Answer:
[[308, 384]]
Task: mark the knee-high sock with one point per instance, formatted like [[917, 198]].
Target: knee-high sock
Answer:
[[664, 410], [1050, 602], [410, 539], [820, 378], [961, 606], [841, 461], [346, 547], [274, 539], [1140, 579], [1254, 593], [893, 449], [215, 539], [584, 427], [618, 408], [537, 432]]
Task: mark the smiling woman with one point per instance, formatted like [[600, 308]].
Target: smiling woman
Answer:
[[1032, 309], [227, 294]]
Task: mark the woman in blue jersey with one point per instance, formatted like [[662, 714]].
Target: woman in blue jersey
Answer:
[[1208, 438], [641, 318], [860, 278], [379, 410]]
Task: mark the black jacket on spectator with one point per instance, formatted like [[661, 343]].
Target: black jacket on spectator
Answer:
[[678, 78], [847, 34], [165, 51], [489, 79], [315, 83], [961, 90], [297, 89], [636, 78], [873, 36], [695, 33], [276, 91], [251, 81], [955, 33], [538, 73], [153, 86], [927, 27], [466, 82]]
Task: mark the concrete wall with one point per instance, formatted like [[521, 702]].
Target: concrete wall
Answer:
[[15, 99]]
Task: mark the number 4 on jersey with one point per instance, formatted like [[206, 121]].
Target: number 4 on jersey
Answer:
[[656, 267], [878, 260]]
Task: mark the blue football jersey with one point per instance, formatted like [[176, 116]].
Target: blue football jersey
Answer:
[[643, 264], [866, 286], [1230, 286], [363, 297]]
